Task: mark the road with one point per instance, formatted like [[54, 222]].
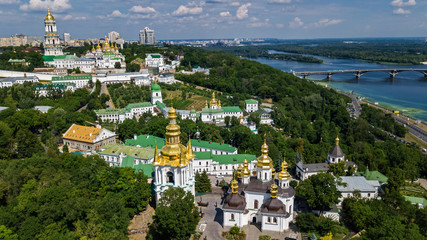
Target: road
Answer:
[[418, 132], [104, 89]]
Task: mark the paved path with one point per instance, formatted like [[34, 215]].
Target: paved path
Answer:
[[104, 89]]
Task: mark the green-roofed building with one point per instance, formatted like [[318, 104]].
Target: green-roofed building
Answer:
[[133, 110], [251, 105], [144, 141], [221, 164], [216, 148], [421, 202], [116, 154], [154, 60], [373, 175], [48, 58], [215, 113], [79, 80], [147, 169], [156, 93]]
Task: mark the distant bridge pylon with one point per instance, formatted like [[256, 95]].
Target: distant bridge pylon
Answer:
[[359, 72]]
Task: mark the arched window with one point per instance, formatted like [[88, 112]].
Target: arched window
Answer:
[[274, 220], [268, 219], [265, 175], [256, 204], [290, 209], [169, 177], [232, 216], [200, 163]]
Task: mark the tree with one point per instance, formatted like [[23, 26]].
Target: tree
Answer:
[[132, 67], [203, 183], [7, 234], [127, 129], [6, 141], [227, 121], [320, 190], [338, 169], [117, 65], [65, 148], [28, 143], [176, 216]]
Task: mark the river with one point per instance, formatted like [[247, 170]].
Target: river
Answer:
[[407, 92]]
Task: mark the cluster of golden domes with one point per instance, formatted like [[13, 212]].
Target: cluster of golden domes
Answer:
[[173, 153], [106, 47]]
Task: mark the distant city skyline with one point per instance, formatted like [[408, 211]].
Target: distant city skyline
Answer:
[[215, 19]]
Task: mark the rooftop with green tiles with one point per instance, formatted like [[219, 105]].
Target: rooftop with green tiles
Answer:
[[48, 58], [233, 158], [373, 175], [147, 169], [231, 109], [76, 77], [209, 111], [137, 152], [146, 141], [251, 101], [110, 111], [138, 105], [212, 145], [160, 105], [203, 155]]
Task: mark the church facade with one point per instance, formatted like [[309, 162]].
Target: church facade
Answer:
[[52, 44], [261, 199], [173, 167]]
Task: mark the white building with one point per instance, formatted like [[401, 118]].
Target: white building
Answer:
[[113, 36], [114, 154], [261, 199], [336, 155], [79, 81], [224, 165], [167, 78], [154, 60], [88, 138], [173, 167], [214, 113], [251, 105], [133, 110], [10, 81], [366, 188], [265, 116], [45, 89], [52, 44], [156, 92], [66, 37], [146, 36]]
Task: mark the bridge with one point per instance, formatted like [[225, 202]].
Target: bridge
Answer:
[[358, 73]]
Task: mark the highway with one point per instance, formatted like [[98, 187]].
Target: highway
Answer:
[[418, 132]]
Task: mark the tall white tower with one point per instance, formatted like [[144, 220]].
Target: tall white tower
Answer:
[[156, 92], [174, 166], [52, 45]]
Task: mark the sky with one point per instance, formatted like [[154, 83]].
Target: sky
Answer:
[[209, 19]]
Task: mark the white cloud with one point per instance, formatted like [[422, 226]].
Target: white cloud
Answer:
[[296, 23], [54, 5], [235, 4], [401, 3], [279, 25], [279, 1], [401, 11], [140, 9], [242, 11], [183, 10], [70, 17], [9, 1], [117, 14], [326, 22], [225, 14]]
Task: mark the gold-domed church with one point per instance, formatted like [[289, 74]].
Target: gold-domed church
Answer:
[[261, 199], [52, 44], [173, 167]]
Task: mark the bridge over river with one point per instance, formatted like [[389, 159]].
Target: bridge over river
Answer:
[[359, 72]]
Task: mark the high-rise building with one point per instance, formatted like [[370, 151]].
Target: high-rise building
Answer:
[[66, 37], [146, 36], [52, 44], [113, 36]]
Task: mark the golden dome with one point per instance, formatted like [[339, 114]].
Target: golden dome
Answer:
[[246, 172], [234, 186], [98, 47], [273, 190], [173, 153], [206, 105], [49, 16], [213, 101], [337, 141], [284, 175], [93, 48], [115, 47], [219, 103], [190, 154], [264, 161], [239, 172]]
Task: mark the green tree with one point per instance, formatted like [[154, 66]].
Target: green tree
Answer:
[[117, 65], [6, 141], [132, 67], [28, 144], [320, 190], [338, 169], [227, 121], [65, 148], [127, 129], [176, 216], [7, 234], [203, 183]]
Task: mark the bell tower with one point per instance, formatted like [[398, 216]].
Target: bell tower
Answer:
[[264, 164], [52, 44]]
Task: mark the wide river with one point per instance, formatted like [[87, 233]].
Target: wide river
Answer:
[[407, 92]]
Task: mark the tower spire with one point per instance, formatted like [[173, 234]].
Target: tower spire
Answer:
[[273, 190], [337, 141]]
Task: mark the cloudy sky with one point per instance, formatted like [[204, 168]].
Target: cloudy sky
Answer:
[[178, 19]]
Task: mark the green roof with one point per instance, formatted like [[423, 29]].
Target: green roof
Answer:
[[148, 169], [110, 111], [155, 55], [160, 105], [373, 175], [48, 58], [210, 111], [192, 111], [76, 77], [65, 57], [251, 101], [233, 159], [16, 60], [146, 141], [155, 87], [138, 105], [416, 200], [231, 109], [213, 145], [138, 152], [203, 155]]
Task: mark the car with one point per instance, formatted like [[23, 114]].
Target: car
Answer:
[[219, 176]]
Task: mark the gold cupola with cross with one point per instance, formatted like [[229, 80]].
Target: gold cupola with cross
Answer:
[[174, 153], [264, 161]]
